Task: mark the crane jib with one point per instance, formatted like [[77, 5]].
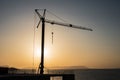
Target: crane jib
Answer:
[[66, 24]]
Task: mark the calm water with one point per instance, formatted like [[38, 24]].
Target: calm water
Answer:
[[88, 74], [93, 74]]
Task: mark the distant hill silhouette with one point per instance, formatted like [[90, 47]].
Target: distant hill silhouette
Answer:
[[69, 67]]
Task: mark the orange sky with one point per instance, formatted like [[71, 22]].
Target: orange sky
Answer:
[[71, 47]]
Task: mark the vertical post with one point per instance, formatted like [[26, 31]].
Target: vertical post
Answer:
[[42, 46]]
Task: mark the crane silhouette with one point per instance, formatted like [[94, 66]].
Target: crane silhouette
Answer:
[[43, 20]]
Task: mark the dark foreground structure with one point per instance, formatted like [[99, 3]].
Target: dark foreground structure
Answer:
[[37, 77], [3, 70]]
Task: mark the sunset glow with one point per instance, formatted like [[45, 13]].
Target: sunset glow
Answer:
[[38, 53], [70, 47]]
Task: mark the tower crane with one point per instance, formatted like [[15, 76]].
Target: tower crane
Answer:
[[43, 20]]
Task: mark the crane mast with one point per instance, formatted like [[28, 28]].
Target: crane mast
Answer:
[[43, 20]]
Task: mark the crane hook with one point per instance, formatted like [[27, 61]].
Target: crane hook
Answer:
[[52, 37]]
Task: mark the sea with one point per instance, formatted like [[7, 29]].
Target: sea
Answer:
[[80, 74], [90, 74]]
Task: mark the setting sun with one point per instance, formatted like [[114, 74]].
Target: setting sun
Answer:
[[38, 52]]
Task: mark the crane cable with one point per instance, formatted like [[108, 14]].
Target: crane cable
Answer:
[[56, 17], [34, 36]]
